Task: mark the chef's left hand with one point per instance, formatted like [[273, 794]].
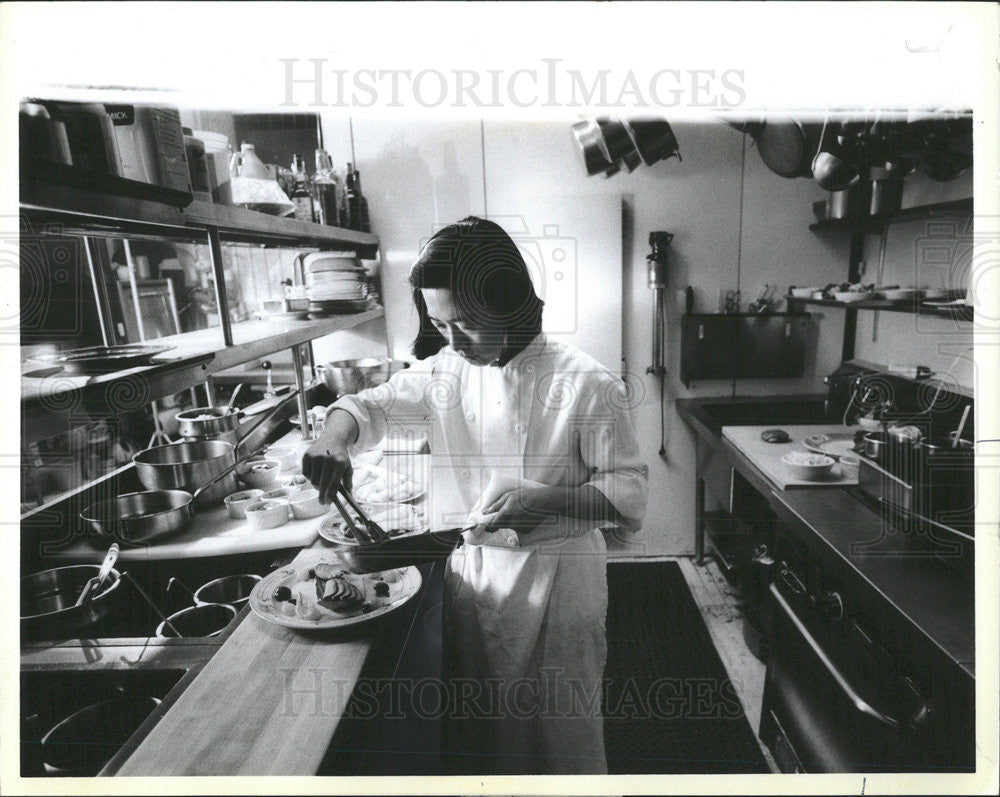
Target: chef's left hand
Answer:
[[525, 509]]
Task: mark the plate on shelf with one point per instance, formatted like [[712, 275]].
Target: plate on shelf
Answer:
[[102, 359], [833, 445], [322, 309], [851, 296], [899, 294], [401, 584], [397, 519]]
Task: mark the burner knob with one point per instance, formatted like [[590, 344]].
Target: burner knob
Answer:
[[832, 605]]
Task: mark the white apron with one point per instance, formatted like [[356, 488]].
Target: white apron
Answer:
[[525, 629], [525, 641]]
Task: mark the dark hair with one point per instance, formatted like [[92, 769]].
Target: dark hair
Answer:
[[489, 281]]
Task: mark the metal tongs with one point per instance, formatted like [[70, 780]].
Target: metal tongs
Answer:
[[373, 532]]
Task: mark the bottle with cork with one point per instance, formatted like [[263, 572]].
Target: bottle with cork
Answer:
[[357, 205]]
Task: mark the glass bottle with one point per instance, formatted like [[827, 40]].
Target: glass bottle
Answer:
[[356, 201], [326, 191], [301, 196]]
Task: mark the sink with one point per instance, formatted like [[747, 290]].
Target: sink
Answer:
[[133, 618], [48, 697], [808, 409]]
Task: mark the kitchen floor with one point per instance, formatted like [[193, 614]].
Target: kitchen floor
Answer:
[[719, 605]]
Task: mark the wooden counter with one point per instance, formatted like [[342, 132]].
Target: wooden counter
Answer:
[[271, 699]]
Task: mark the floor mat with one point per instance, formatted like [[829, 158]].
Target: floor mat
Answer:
[[669, 706]]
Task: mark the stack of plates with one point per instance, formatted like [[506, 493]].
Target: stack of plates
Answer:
[[335, 284]]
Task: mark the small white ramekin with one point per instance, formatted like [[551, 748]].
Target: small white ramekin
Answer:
[[237, 503], [264, 515], [305, 504]]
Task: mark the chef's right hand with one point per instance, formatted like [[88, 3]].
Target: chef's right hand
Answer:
[[327, 465]]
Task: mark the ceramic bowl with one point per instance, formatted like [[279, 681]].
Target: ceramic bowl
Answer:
[[298, 481], [806, 466], [288, 458], [305, 504], [280, 494], [803, 293], [260, 474], [267, 514], [237, 503], [850, 466]]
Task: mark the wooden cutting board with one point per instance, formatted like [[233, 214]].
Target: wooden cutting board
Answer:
[[766, 457]]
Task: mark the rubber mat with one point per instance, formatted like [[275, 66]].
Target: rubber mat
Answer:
[[669, 707]]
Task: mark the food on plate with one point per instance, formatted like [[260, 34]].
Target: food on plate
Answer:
[[394, 519], [327, 590], [805, 458], [379, 486]]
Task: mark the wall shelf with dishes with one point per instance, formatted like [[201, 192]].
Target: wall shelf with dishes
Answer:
[[953, 307], [875, 222]]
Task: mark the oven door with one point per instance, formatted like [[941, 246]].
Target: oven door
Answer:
[[820, 716]]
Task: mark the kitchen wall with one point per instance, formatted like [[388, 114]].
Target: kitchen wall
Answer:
[[419, 174]]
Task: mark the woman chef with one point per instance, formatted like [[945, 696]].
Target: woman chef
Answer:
[[537, 438]]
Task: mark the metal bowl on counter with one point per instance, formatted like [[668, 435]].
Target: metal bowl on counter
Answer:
[[48, 600], [345, 377], [201, 620], [232, 590], [188, 466], [209, 423]]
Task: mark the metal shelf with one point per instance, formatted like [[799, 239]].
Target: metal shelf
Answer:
[[956, 312], [60, 208], [877, 222], [239, 225], [55, 403], [65, 202]]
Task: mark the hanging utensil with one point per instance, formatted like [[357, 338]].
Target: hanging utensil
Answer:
[[232, 398], [961, 426], [93, 586], [783, 147], [149, 600]]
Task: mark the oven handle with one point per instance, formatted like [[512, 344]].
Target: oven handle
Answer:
[[856, 700]]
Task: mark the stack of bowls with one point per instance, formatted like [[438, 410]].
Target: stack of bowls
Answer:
[[335, 284]]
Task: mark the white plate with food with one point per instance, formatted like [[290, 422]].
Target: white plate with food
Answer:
[[833, 445], [395, 519], [325, 595], [376, 485], [808, 466]]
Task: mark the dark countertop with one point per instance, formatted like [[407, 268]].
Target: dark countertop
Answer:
[[934, 601]]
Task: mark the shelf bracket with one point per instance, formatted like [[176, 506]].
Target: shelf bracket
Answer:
[[300, 383], [219, 277]]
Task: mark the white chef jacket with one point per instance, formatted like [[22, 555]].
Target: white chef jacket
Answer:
[[525, 612]]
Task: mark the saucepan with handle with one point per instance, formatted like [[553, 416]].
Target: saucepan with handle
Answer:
[[142, 517], [191, 465]]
